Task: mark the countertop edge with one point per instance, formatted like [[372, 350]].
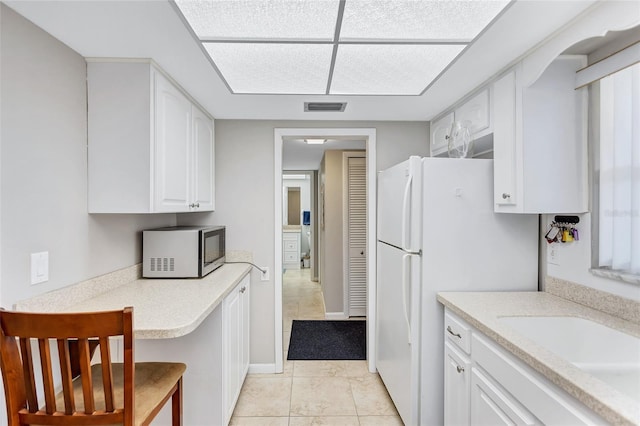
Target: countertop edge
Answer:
[[597, 405], [184, 330]]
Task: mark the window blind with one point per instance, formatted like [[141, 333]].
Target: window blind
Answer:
[[619, 215]]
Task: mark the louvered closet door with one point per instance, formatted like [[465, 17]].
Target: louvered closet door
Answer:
[[357, 235]]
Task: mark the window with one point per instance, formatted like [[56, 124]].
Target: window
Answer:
[[618, 207]]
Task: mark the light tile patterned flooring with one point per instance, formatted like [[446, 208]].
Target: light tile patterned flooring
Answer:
[[312, 392]]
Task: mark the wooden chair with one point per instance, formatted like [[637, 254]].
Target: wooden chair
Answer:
[[104, 394]]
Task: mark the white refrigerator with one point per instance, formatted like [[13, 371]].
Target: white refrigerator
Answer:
[[437, 231]]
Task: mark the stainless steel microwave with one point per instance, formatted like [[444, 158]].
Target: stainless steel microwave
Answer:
[[182, 251]]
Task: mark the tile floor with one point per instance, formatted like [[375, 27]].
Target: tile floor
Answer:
[[312, 392]]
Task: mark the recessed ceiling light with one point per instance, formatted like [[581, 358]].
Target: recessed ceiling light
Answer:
[[315, 141]]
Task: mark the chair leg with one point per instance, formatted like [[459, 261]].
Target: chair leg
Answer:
[[176, 405]]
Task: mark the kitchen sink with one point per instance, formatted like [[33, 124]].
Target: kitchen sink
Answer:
[[607, 354]]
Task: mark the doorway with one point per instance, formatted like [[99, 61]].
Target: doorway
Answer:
[[367, 135]]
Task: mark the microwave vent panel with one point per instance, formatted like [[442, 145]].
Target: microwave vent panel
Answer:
[[164, 264]]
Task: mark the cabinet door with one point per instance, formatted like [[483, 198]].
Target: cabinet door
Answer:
[[491, 407], [203, 162], [475, 113], [440, 134], [245, 327], [504, 140], [232, 329], [172, 148], [457, 385]]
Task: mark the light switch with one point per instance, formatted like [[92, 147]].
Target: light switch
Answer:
[[39, 267]]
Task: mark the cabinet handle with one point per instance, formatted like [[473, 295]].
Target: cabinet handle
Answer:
[[194, 205], [505, 195], [452, 333], [243, 289], [460, 369]]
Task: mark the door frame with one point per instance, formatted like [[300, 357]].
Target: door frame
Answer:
[[345, 228], [369, 136]]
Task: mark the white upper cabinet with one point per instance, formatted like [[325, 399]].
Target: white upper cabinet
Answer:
[[540, 141], [173, 146], [203, 194], [475, 113], [151, 147], [440, 130]]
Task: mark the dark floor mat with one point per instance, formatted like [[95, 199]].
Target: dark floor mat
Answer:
[[328, 340]]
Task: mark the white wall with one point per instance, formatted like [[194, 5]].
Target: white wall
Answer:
[[245, 197], [44, 170], [573, 261]]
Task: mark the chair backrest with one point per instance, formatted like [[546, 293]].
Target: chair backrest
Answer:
[[20, 330]]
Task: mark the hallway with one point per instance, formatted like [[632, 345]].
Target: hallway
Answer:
[[312, 392]]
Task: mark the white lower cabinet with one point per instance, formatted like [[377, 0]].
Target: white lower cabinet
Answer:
[[457, 374], [291, 250], [217, 357], [490, 406], [235, 344], [487, 385]]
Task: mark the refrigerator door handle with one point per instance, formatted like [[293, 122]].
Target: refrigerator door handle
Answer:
[[405, 199], [404, 294]]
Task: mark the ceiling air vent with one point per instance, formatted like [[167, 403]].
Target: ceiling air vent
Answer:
[[325, 106]]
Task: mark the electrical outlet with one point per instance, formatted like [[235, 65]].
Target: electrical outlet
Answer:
[[552, 255], [264, 276], [39, 267]]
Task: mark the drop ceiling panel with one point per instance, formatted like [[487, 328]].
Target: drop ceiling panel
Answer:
[[410, 20], [273, 68], [359, 47], [389, 69], [259, 19]]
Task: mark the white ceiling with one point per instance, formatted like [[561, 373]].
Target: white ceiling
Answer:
[[155, 29]]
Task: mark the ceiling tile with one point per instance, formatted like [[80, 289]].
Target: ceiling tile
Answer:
[[273, 68], [389, 69], [260, 19], [417, 20]]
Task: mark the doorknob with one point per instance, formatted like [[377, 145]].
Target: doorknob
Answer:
[[362, 253]]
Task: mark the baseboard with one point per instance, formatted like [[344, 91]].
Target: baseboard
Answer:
[[262, 368], [335, 316]]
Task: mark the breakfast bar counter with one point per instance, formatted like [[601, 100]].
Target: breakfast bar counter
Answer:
[[162, 308], [176, 320]]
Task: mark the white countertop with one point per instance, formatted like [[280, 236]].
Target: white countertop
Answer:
[[162, 308], [482, 311]]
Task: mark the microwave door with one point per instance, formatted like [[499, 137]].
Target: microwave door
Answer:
[[213, 250]]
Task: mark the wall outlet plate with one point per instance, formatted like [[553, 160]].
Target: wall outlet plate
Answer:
[[264, 276], [39, 267], [553, 255]]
